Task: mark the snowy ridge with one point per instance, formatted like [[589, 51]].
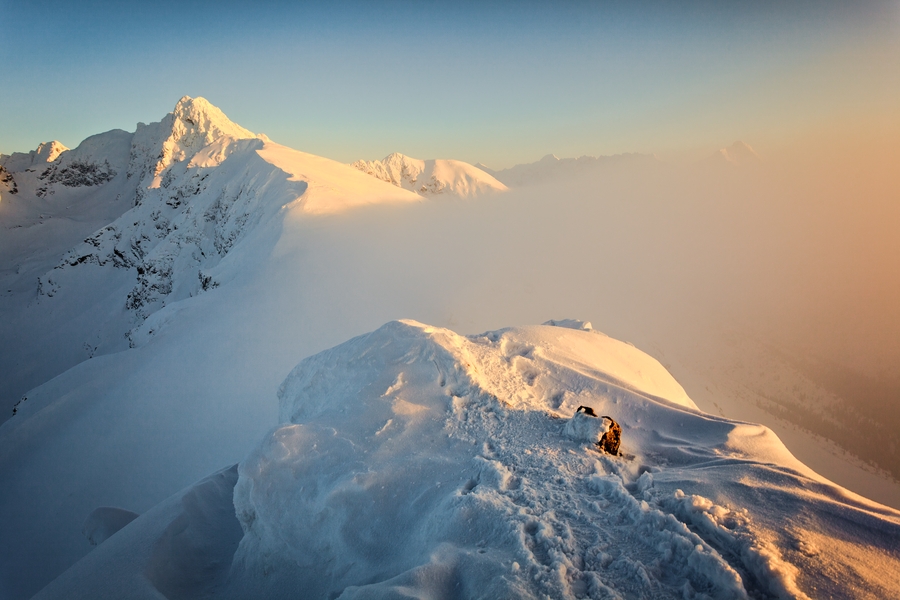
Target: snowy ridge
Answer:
[[432, 177], [415, 462], [413, 458], [94, 162], [22, 163]]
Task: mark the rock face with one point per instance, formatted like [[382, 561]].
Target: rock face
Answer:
[[8, 181], [95, 161], [432, 177]]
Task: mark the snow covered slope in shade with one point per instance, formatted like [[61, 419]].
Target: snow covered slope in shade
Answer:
[[414, 462], [432, 177], [182, 548], [57, 206]]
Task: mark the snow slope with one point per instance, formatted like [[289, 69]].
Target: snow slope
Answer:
[[56, 206], [415, 462], [432, 177]]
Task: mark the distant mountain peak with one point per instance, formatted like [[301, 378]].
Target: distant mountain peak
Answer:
[[431, 177], [48, 151], [739, 153]]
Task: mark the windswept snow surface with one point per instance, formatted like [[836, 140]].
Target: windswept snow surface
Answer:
[[432, 177], [415, 462]]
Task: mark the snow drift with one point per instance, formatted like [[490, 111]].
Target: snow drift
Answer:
[[415, 462]]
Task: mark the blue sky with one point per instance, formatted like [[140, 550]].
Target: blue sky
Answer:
[[497, 82]]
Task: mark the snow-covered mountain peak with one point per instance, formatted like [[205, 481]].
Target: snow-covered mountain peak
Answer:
[[197, 184], [19, 161], [200, 117], [194, 124], [739, 153], [431, 177], [48, 151]]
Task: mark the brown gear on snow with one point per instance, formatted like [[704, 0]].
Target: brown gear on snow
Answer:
[[610, 441]]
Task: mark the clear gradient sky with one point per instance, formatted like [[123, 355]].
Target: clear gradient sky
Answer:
[[496, 82]]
